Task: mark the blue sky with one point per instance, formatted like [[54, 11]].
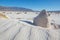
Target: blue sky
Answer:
[[33, 4]]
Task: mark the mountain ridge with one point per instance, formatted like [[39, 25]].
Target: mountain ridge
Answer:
[[4, 8]]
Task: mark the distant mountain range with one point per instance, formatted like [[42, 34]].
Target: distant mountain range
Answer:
[[3, 8], [58, 11]]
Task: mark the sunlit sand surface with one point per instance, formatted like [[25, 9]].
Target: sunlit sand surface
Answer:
[[24, 29]]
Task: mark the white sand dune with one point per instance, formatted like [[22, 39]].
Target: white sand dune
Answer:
[[18, 30], [12, 28]]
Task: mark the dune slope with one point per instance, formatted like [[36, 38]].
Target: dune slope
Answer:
[[18, 30]]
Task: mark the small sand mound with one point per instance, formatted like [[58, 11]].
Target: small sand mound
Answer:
[[3, 16], [41, 19]]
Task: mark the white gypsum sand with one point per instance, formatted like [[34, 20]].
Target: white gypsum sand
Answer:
[[19, 29]]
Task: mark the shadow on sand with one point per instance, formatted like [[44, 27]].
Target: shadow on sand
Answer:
[[27, 22]]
